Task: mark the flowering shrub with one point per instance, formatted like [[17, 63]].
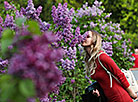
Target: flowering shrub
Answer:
[[38, 53], [80, 21], [36, 60]]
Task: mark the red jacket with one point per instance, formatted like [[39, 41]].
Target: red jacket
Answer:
[[136, 60], [117, 93]]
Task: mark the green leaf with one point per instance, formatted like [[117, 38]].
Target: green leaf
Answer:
[[6, 40], [7, 90], [34, 27], [70, 88], [20, 21], [26, 87]]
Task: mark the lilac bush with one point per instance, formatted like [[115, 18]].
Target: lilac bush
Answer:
[[95, 18], [36, 61], [37, 56], [80, 21]]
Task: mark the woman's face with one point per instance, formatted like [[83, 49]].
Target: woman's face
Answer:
[[88, 41], [136, 50]]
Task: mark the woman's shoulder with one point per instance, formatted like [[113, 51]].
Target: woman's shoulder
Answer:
[[103, 56]]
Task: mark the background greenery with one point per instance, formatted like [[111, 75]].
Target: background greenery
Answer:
[[124, 12]]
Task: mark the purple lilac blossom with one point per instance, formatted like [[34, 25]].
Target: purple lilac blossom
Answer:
[[114, 42], [118, 37], [33, 13], [93, 11], [98, 4], [62, 17], [124, 46], [36, 61], [72, 81], [19, 14], [1, 29], [81, 49], [92, 25], [107, 46], [3, 64], [85, 26], [107, 16], [56, 87], [71, 53], [1, 20], [9, 22], [110, 37], [7, 6], [68, 64]]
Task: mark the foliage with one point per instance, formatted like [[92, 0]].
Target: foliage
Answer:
[[17, 90], [34, 52], [125, 13]]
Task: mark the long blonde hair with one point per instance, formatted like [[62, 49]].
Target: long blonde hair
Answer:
[[95, 48]]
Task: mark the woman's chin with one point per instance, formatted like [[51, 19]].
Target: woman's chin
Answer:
[[84, 45]]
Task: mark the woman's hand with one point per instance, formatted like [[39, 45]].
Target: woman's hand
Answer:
[[96, 92], [131, 93]]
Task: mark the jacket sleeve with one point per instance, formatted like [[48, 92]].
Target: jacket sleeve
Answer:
[[114, 69]]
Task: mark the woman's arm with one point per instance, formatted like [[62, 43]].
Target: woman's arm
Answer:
[[114, 69], [111, 66]]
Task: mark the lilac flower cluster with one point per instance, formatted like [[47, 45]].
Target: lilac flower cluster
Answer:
[[36, 61], [92, 25], [49, 99], [107, 46], [124, 46], [118, 37], [87, 11], [9, 22], [7, 6], [30, 12], [1, 20], [111, 27], [62, 17], [78, 38], [3, 64], [71, 52], [56, 87], [1, 29], [68, 64], [72, 81]]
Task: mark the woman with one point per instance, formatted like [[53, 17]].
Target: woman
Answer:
[[116, 93], [136, 58]]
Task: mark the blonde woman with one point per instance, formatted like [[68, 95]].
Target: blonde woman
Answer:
[[115, 92]]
